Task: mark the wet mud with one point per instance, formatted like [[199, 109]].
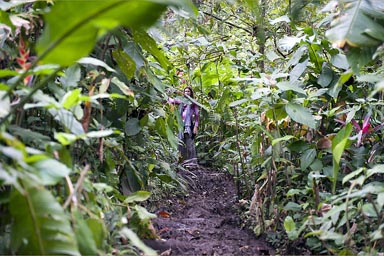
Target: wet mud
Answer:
[[204, 222]]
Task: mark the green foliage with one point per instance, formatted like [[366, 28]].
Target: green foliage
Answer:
[[339, 144], [89, 21], [342, 225], [288, 106], [86, 106], [40, 224], [290, 228], [279, 94], [358, 27], [300, 115]]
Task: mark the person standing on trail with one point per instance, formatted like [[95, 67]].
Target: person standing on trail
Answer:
[[189, 112]]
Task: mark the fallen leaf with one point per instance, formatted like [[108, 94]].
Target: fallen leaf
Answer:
[[164, 214], [163, 230]]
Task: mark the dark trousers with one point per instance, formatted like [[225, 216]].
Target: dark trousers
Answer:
[[187, 150]]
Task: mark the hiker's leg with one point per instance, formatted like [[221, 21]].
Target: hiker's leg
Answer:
[[183, 150], [191, 150]]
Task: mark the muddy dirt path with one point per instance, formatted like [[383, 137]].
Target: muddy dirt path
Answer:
[[205, 222]]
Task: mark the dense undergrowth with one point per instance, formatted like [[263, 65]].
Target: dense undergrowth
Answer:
[[291, 105]]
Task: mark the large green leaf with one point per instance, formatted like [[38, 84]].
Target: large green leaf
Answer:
[[287, 137], [238, 102], [98, 230], [50, 171], [138, 196], [340, 61], [172, 139], [358, 57], [339, 144], [7, 72], [132, 127], [4, 17], [84, 235], [40, 225], [290, 228], [154, 79], [375, 170], [134, 51], [326, 77], [294, 86], [135, 240], [143, 214], [149, 44], [71, 77], [95, 62], [67, 119], [300, 114], [358, 26], [125, 62], [82, 22], [307, 158], [123, 87], [298, 71], [71, 99]]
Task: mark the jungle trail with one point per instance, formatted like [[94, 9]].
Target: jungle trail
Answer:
[[206, 220]]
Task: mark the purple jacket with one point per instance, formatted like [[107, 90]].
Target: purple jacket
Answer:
[[194, 112]]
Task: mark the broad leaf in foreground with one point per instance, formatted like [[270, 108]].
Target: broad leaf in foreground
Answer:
[[40, 225], [83, 22], [359, 25]]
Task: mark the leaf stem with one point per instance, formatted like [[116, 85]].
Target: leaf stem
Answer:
[[79, 183]]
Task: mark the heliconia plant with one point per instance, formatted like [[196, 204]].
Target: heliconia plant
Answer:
[[24, 60]]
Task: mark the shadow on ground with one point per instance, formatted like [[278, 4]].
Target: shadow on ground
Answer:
[[205, 222]]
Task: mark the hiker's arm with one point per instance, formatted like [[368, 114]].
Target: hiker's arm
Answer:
[[173, 101]]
